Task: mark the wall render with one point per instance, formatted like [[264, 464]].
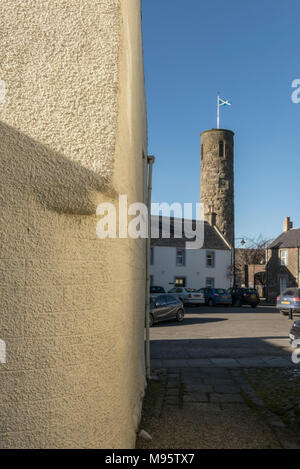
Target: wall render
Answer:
[[73, 133]]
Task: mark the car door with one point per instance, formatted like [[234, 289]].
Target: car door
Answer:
[[172, 307], [161, 308]]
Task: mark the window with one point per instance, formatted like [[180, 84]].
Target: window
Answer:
[[161, 300], [202, 151], [223, 183], [210, 282], [180, 281], [151, 256], [180, 257], [210, 259], [283, 257], [172, 299], [282, 284], [221, 149]]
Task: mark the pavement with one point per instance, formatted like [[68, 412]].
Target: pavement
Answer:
[[199, 396]]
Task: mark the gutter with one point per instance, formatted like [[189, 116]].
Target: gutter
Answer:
[[150, 162]]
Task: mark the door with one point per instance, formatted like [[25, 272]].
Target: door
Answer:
[[161, 308], [172, 307]]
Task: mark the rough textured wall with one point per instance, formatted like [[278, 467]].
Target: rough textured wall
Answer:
[[277, 271], [217, 179], [73, 134]]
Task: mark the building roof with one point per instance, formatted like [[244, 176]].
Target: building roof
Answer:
[[212, 239], [288, 239]]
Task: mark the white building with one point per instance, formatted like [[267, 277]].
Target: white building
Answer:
[[209, 266]]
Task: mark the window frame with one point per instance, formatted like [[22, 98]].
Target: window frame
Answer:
[[180, 256], [207, 281], [284, 259], [213, 258], [179, 285]]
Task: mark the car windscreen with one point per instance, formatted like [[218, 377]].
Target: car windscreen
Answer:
[[157, 290], [221, 291], [290, 292]]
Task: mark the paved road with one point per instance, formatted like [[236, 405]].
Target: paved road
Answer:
[[218, 336], [197, 399]]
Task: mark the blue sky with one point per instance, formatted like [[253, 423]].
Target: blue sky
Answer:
[[250, 52]]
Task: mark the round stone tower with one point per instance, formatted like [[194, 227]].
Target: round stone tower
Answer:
[[217, 180]]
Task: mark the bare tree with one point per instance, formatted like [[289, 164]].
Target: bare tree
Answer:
[[253, 252]]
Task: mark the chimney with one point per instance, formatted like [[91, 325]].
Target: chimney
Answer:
[[287, 224]]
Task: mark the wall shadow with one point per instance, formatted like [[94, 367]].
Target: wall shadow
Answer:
[[250, 347], [57, 182], [189, 321]]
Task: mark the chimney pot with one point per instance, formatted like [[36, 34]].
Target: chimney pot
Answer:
[[287, 224]]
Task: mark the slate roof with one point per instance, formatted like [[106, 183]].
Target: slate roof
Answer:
[[212, 240], [288, 239]]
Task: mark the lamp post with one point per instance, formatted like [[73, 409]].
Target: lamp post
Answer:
[[243, 242]]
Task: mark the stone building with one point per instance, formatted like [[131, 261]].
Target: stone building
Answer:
[[173, 264], [217, 180], [250, 267], [283, 261], [73, 134]]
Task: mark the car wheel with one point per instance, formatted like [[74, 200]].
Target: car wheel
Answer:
[[210, 302], [151, 320], [253, 306], [285, 313], [180, 315]]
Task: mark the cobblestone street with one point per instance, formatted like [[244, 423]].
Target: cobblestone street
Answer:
[[200, 396]]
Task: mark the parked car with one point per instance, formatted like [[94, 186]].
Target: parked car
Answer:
[[216, 296], [188, 296], [295, 331], [164, 308], [154, 290], [244, 296], [289, 301]]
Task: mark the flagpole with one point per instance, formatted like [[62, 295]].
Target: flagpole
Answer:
[[218, 111]]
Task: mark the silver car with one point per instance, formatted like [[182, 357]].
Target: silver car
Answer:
[[188, 295], [164, 308]]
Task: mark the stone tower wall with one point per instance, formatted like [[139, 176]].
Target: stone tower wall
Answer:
[[217, 179]]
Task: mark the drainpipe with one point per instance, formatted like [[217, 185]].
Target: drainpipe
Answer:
[[298, 264], [267, 276], [150, 161]]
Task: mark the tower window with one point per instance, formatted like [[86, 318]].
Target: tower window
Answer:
[[202, 151], [221, 149], [223, 183]]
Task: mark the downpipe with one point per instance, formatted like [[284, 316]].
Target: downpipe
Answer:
[[150, 161]]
